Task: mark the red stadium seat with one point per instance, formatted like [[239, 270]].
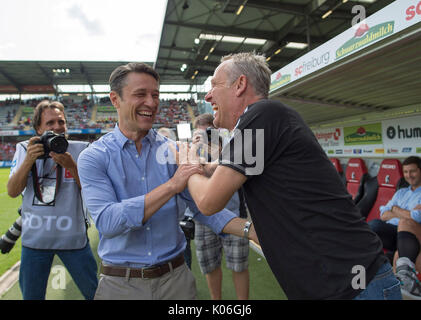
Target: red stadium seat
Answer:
[[336, 163], [356, 174], [388, 178]]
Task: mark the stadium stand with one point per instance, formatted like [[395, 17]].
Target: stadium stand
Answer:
[[85, 114], [7, 113], [173, 112], [7, 150]]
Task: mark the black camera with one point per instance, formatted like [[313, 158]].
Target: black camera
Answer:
[[53, 142], [8, 240], [187, 225]]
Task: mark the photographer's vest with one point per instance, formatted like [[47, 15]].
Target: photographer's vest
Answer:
[[57, 222]]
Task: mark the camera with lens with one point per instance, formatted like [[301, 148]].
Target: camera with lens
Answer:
[[187, 225], [8, 240], [53, 142]]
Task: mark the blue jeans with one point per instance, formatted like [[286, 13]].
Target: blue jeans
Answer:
[[36, 264], [384, 286]]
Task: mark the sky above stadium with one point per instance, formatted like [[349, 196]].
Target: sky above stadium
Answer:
[[89, 30]]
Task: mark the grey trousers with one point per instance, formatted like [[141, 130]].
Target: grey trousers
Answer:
[[178, 284]]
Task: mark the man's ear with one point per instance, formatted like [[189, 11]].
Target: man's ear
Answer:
[[114, 97], [241, 85]]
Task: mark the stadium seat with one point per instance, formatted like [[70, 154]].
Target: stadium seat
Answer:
[[336, 163], [365, 204], [388, 179], [356, 174]]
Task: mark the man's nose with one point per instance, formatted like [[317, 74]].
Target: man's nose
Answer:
[[208, 96], [58, 127], [149, 101]]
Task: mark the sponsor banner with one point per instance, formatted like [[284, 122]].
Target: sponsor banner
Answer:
[[8, 89], [70, 131], [402, 137], [38, 89], [328, 138], [392, 19], [279, 80], [5, 164], [84, 131], [27, 132], [9, 133], [396, 138], [363, 37], [368, 134]]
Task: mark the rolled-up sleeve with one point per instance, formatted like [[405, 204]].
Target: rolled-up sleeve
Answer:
[[416, 215], [111, 217], [392, 202]]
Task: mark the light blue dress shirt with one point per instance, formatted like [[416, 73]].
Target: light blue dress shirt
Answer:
[[407, 199], [115, 180]]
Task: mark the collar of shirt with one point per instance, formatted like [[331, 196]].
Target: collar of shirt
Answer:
[[122, 139], [238, 121], [416, 190]]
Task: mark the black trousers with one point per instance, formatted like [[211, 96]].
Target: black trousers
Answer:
[[387, 233]]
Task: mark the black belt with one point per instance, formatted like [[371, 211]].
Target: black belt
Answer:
[[144, 273]]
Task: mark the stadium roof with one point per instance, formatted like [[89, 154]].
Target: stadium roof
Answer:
[[44, 76], [378, 79], [267, 26]]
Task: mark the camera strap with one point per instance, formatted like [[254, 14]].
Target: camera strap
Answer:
[[37, 185]]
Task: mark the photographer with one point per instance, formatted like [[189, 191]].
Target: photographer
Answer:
[[53, 217], [209, 246]]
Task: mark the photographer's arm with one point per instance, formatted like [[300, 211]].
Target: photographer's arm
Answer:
[[67, 162], [17, 182]]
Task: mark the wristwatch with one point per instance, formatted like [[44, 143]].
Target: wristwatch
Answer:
[[246, 229]]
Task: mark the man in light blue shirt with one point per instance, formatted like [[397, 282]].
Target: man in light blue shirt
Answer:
[[399, 227], [133, 189]]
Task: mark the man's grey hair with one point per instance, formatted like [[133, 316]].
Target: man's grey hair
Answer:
[[253, 66]]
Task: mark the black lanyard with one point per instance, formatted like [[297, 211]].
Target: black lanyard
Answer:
[[37, 187]]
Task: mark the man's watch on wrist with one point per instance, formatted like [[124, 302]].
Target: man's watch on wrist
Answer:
[[246, 229]]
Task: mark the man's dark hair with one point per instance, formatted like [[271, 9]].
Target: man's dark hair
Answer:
[[412, 160], [118, 76], [39, 109]]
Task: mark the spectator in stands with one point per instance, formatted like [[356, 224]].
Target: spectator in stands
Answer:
[[53, 218], [130, 190], [311, 233], [208, 244], [399, 227]]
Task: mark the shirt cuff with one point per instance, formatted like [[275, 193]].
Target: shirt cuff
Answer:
[[217, 221], [383, 209], [134, 211]]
